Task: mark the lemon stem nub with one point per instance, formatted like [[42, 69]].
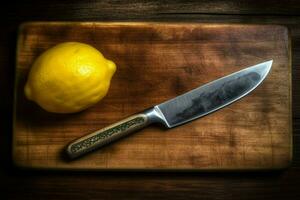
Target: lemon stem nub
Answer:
[[28, 92], [111, 66]]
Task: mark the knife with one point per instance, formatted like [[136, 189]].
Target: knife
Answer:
[[179, 110]]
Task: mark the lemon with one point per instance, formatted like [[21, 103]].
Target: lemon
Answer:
[[69, 77]]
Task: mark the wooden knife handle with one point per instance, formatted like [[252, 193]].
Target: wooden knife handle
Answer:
[[106, 135]]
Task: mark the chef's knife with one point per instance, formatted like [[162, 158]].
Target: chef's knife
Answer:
[[179, 110]]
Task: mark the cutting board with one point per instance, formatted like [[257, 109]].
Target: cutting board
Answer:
[[155, 62]]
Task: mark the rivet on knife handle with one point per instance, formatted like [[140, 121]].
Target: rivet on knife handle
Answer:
[[111, 133]]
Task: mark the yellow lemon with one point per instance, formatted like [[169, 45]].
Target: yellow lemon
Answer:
[[69, 77]]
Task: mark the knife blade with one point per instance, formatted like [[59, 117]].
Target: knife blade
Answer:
[[179, 110]]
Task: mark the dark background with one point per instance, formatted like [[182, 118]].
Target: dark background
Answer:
[[21, 184]]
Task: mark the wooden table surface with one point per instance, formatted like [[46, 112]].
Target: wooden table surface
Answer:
[[18, 184]]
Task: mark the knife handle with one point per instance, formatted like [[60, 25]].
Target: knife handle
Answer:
[[106, 135], [111, 133]]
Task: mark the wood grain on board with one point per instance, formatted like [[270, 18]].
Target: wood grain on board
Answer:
[[155, 62]]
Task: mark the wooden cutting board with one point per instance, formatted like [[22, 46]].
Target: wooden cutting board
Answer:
[[155, 62]]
